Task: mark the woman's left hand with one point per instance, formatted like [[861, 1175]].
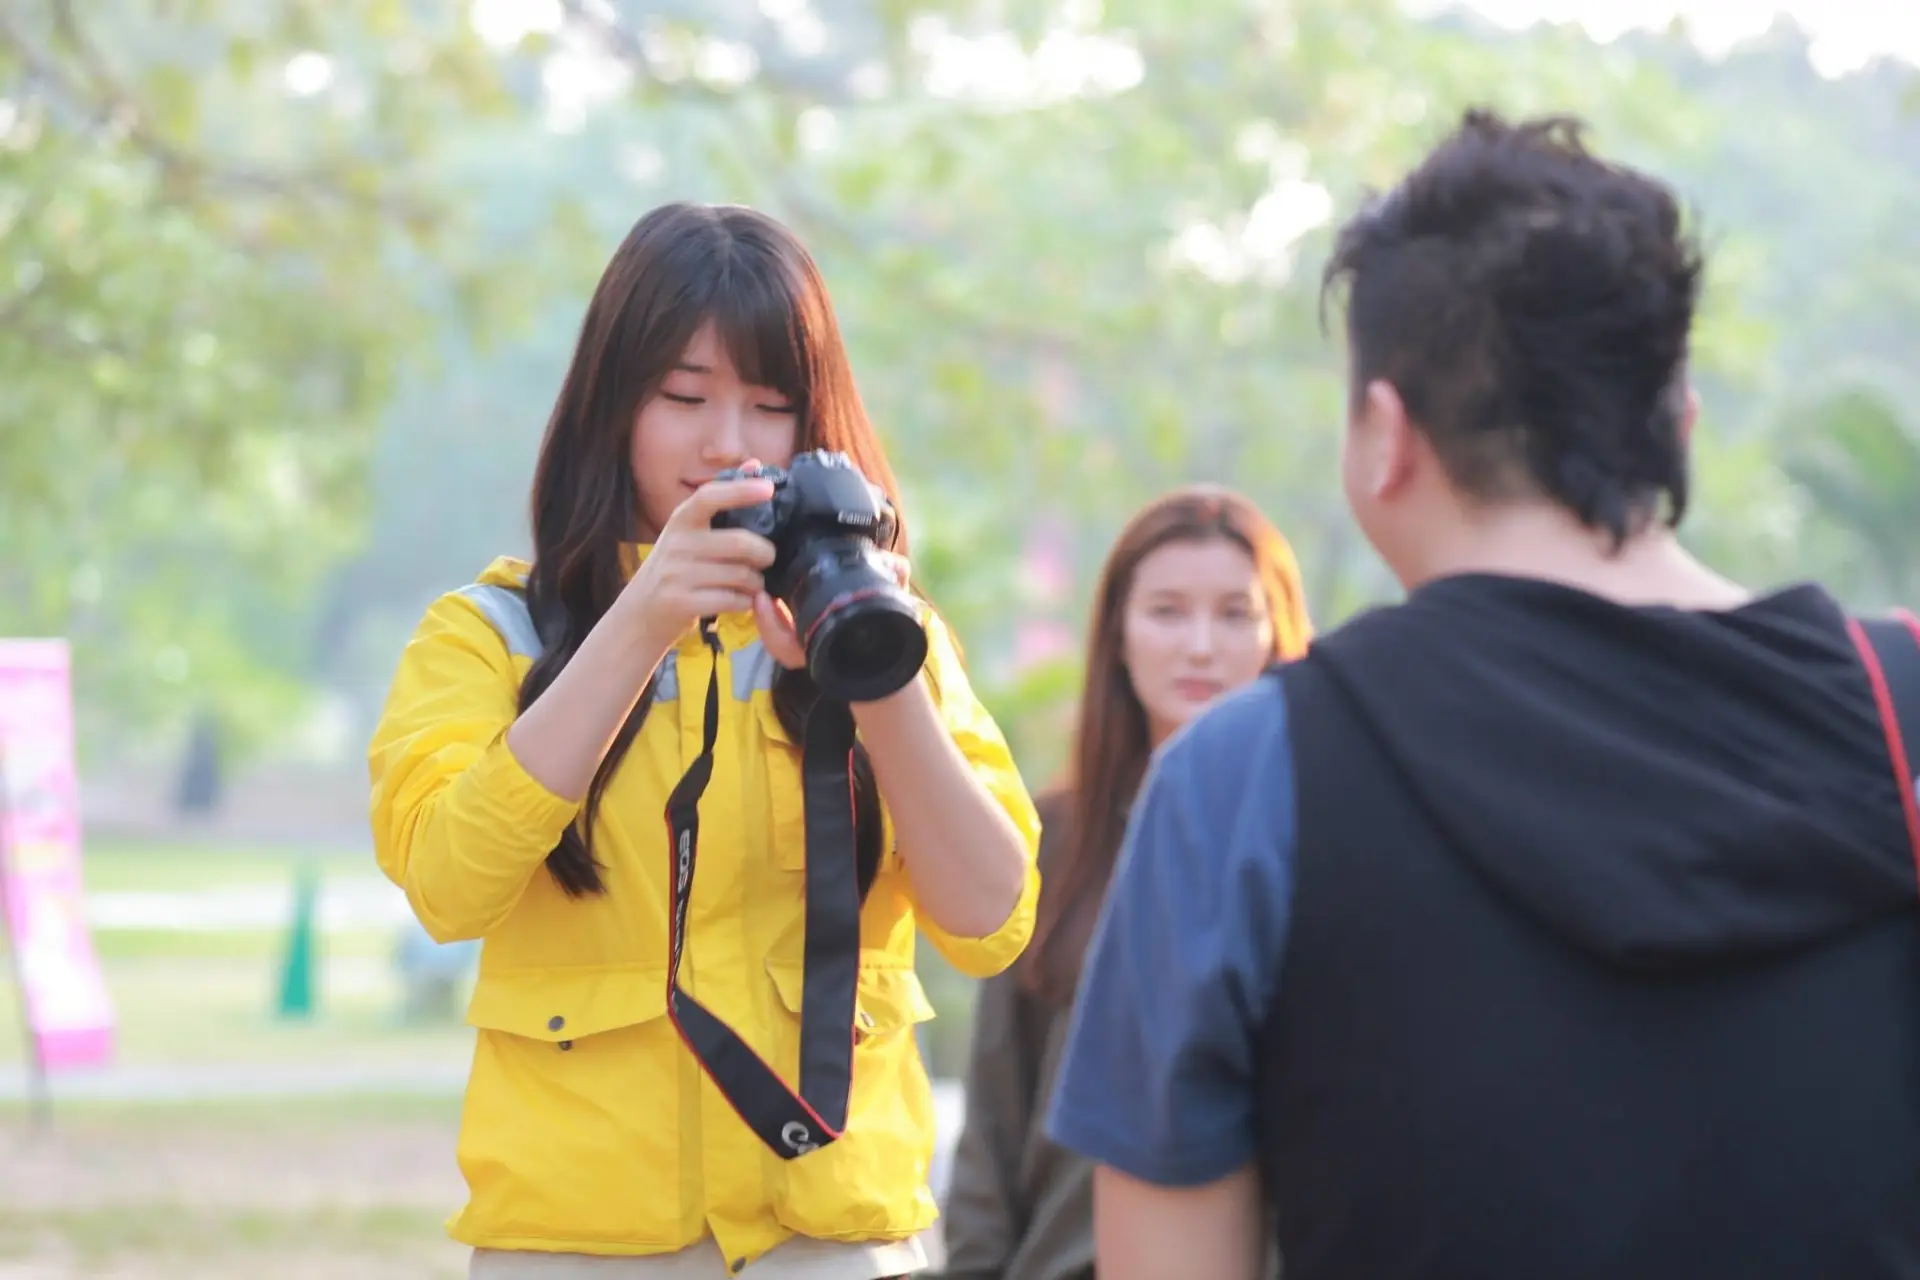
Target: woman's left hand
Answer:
[[775, 620]]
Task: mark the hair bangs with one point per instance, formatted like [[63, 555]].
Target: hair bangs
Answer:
[[758, 312]]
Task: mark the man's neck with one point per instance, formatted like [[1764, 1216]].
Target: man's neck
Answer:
[[1545, 542]]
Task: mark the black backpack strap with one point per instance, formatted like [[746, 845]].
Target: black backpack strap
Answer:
[[1890, 650]]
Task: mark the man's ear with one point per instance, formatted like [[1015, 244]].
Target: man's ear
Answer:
[[1393, 441]]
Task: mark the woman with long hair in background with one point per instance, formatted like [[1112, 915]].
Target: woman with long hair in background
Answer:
[[1199, 595], [697, 892]]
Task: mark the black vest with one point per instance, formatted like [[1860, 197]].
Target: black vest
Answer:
[[1451, 1092]]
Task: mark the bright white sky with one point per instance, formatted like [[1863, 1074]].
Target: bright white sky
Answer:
[[1846, 32]]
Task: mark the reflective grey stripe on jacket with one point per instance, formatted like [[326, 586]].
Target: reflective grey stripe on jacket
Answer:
[[505, 608]]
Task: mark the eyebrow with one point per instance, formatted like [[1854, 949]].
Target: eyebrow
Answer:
[[1187, 593]]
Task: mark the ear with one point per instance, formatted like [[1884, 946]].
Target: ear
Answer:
[[1391, 444], [1689, 415]]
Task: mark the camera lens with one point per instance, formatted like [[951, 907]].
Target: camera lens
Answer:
[[868, 649], [867, 643]]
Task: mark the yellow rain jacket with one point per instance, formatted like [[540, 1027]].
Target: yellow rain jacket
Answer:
[[588, 1126]]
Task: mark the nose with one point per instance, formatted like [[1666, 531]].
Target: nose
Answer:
[[1200, 639], [725, 443]]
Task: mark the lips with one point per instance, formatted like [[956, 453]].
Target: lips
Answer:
[[1198, 690]]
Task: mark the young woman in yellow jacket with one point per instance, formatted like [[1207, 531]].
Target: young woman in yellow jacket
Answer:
[[673, 1071]]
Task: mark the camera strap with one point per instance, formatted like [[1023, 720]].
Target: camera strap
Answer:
[[790, 1123]]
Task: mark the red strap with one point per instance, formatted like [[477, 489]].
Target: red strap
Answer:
[[1903, 773]]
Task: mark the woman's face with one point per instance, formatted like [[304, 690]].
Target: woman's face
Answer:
[[1195, 625], [701, 421]]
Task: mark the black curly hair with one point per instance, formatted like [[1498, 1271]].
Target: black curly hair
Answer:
[[1531, 304]]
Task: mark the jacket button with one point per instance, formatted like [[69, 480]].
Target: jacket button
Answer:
[[565, 1045], [556, 1022]]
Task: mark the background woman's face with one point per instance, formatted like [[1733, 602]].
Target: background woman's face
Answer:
[[1196, 624]]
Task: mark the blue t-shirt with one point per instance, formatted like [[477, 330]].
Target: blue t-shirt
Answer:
[[1158, 1074]]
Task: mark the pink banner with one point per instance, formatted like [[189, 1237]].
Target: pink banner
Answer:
[[68, 1009]]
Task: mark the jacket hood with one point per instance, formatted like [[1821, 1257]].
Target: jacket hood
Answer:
[[1661, 788]]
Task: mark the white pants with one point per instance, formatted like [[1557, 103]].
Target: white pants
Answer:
[[795, 1259]]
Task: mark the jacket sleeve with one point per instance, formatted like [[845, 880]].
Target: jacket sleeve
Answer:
[[457, 823], [985, 749], [985, 1218]]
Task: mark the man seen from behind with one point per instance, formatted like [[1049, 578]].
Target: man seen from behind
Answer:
[[1562, 920]]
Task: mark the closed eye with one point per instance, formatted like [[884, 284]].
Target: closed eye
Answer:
[[763, 408]]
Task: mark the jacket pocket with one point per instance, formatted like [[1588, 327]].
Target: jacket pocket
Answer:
[[785, 795], [563, 1005], [871, 1183], [890, 998], [572, 1127]]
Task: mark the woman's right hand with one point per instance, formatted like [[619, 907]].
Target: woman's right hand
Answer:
[[696, 571], [693, 570]]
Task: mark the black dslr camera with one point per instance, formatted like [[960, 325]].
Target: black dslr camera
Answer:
[[861, 631]]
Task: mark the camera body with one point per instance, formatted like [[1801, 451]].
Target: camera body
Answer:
[[828, 524]]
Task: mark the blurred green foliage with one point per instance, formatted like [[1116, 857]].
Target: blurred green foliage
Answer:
[[286, 288]]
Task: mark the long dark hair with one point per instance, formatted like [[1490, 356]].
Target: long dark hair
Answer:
[[1111, 741], [681, 266]]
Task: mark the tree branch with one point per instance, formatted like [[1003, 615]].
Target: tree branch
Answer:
[[104, 102]]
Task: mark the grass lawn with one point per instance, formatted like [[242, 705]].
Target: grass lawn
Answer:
[[352, 1186], [218, 1007], [177, 1005], [196, 997], [119, 866], [345, 1188], [327, 1189]]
